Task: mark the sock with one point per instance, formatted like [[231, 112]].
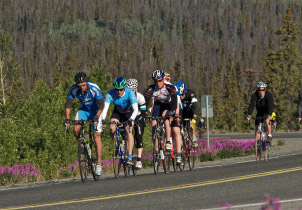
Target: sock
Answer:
[[129, 157], [139, 159], [270, 135]]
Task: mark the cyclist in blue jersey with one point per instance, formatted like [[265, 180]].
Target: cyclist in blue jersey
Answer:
[[125, 109], [91, 106]]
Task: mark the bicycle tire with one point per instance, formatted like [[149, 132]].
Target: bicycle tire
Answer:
[[115, 157], [93, 160], [155, 158], [134, 169], [162, 148], [82, 157], [190, 154]]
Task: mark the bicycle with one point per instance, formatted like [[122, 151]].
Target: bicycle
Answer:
[[261, 145], [86, 150], [160, 155], [187, 149], [120, 151]]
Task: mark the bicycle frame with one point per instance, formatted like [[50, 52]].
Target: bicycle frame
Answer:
[[85, 149], [260, 141]]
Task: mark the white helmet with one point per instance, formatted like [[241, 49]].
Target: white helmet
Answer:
[[201, 120], [132, 83], [261, 85]]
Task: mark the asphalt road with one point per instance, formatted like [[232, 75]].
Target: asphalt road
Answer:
[[240, 184], [243, 184]]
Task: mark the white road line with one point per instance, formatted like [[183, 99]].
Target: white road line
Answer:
[[255, 204]]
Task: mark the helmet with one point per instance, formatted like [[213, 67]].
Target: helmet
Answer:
[[119, 83], [132, 83], [182, 87], [80, 77], [158, 74], [201, 120], [261, 85], [167, 76]]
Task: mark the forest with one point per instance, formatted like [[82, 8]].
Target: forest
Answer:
[[219, 48]]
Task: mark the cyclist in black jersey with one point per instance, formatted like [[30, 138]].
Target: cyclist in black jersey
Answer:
[[263, 100], [300, 107], [190, 107], [165, 103]]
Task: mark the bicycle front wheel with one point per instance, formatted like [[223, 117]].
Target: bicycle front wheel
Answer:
[[155, 156], [116, 158], [83, 165], [92, 160]]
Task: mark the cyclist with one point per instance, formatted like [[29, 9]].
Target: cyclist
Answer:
[[263, 100], [165, 103], [201, 127], [139, 121], [190, 106], [92, 104], [125, 109], [175, 124], [300, 107], [273, 119]]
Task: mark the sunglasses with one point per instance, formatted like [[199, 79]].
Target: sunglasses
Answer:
[[157, 81], [261, 89], [119, 90], [83, 85]]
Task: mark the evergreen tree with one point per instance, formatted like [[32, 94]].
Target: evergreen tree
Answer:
[[281, 71]]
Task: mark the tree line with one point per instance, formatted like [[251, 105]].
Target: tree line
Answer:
[[219, 48]]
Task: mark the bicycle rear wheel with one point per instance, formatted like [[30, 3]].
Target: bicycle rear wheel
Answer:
[[83, 165]]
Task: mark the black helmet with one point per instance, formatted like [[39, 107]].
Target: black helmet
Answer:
[[80, 77]]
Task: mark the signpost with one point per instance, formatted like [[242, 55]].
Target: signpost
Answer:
[[207, 111]]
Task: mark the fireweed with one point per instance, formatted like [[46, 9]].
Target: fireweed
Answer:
[[219, 148], [18, 174]]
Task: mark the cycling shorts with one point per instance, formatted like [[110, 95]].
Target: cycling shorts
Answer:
[[257, 121], [122, 117], [89, 115], [159, 108]]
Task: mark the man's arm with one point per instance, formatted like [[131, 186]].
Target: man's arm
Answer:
[[67, 108]]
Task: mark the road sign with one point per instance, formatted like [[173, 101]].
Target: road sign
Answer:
[[206, 103]]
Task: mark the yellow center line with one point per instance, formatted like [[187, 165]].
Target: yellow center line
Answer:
[[185, 186]]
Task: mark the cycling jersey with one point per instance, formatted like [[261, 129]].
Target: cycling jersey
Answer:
[[164, 95], [273, 117], [122, 104], [141, 103], [189, 102], [87, 100], [300, 104], [264, 105]]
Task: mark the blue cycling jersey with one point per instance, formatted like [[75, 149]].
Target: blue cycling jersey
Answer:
[[87, 100], [124, 102]]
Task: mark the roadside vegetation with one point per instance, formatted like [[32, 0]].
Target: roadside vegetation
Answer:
[[219, 48]]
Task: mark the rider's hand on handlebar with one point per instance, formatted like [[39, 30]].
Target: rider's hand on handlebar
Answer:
[[66, 122], [129, 122]]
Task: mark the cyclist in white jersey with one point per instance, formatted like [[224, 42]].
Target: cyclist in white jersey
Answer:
[[139, 121], [165, 103], [92, 104]]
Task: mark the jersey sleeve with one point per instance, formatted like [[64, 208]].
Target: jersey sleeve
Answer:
[[132, 97], [72, 92], [108, 97]]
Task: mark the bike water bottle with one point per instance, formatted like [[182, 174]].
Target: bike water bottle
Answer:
[[162, 154], [88, 149]]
